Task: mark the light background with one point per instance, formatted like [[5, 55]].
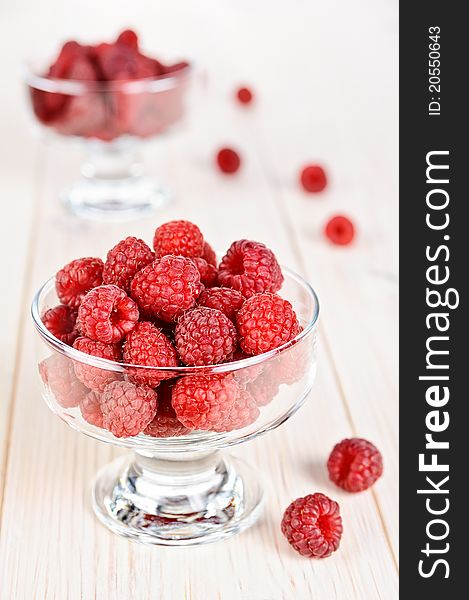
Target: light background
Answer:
[[325, 76]]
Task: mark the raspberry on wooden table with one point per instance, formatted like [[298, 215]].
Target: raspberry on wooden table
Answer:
[[106, 314], [227, 300], [244, 95], [208, 273], [124, 260], [58, 374], [228, 160], [355, 464], [96, 378], [77, 278], [265, 322], [340, 230], [313, 526], [313, 179], [165, 423], [91, 409], [213, 403], [205, 336], [148, 346], [181, 238], [250, 267], [167, 287], [127, 409], [61, 322]]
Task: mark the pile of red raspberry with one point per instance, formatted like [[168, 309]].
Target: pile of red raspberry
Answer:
[[147, 311], [112, 111]]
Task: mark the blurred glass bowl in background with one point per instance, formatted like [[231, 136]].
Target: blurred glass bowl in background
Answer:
[[111, 118]]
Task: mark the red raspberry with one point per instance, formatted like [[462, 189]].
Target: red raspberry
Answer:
[[61, 322], [127, 409], [91, 409], [128, 38], [165, 423], [250, 267], [124, 260], [340, 230], [176, 67], [147, 346], [313, 525], [227, 300], [313, 179], [58, 374], [167, 287], [181, 238], [264, 388], [293, 364], [265, 322], [77, 278], [208, 273], [209, 254], [96, 378], [205, 336], [246, 375], [107, 314], [213, 403], [244, 95], [228, 160], [121, 62], [355, 464]]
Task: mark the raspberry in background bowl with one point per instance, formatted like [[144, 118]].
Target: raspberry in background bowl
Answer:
[[111, 95], [140, 381]]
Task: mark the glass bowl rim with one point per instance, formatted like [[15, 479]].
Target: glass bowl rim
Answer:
[[77, 355], [77, 87]]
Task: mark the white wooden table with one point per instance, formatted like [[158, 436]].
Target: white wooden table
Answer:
[[325, 74]]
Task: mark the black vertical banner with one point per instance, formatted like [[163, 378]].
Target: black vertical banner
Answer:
[[434, 329]]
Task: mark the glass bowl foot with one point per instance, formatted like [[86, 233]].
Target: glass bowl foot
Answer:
[[115, 200], [177, 500]]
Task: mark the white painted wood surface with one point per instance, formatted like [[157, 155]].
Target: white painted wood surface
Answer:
[[325, 76]]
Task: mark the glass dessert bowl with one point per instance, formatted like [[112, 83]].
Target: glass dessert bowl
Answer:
[[112, 118], [177, 487]]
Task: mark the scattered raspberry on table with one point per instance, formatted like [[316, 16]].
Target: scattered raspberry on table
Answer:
[[313, 179], [313, 526], [340, 230], [355, 464], [244, 95], [228, 160]]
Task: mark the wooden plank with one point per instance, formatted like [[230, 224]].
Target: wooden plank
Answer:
[[19, 175]]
